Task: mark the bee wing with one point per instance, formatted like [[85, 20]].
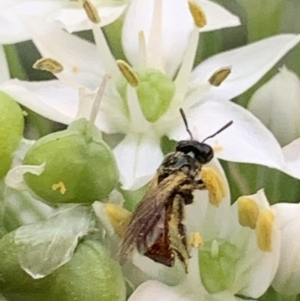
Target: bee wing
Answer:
[[147, 221]]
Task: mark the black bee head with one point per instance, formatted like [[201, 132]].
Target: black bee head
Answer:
[[202, 152]]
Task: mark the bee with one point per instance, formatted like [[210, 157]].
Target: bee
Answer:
[[156, 226]]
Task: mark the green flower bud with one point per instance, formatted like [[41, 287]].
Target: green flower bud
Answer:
[[80, 167], [155, 92], [91, 275], [217, 263], [11, 130]]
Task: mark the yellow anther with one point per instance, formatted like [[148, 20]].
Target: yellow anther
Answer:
[[219, 76], [195, 240], [264, 230], [128, 73], [197, 14], [214, 184], [48, 64], [119, 218], [248, 211], [24, 113], [91, 11], [61, 186]]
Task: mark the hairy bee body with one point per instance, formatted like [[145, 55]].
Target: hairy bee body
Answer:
[[156, 227]]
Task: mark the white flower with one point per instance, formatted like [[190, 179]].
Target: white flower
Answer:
[[277, 104], [287, 278], [166, 45], [235, 249], [67, 14], [239, 255]]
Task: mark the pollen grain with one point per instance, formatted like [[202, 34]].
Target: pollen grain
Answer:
[[61, 186]]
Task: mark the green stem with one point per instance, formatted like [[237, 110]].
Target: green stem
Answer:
[[285, 298], [264, 17], [16, 68]]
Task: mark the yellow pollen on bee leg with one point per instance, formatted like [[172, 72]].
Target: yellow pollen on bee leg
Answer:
[[196, 240], [219, 76], [61, 186], [264, 230], [197, 14], [91, 11], [128, 73], [248, 211], [48, 64], [214, 184], [119, 218]]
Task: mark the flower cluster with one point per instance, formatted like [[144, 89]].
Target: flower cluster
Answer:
[[67, 198]]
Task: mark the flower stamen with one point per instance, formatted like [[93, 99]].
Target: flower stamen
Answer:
[[48, 64], [219, 76], [155, 41], [248, 212], [214, 184], [91, 11], [119, 218], [264, 230], [99, 96], [196, 240], [214, 251], [197, 14], [129, 74]]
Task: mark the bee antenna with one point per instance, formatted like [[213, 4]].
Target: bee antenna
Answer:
[[185, 123], [219, 131]]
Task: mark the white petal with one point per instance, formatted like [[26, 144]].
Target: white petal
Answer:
[[287, 278], [112, 117], [138, 157], [80, 59], [256, 270], [47, 245], [154, 270], [4, 73], [292, 159], [50, 99], [277, 104], [112, 113], [11, 28], [154, 290], [205, 218], [217, 16], [14, 177], [72, 18], [20, 153], [75, 19], [246, 140], [249, 63], [177, 25]]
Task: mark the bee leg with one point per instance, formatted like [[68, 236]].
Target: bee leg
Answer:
[[177, 233]]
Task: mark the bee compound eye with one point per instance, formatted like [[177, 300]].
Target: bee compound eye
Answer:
[[198, 150], [205, 153]]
